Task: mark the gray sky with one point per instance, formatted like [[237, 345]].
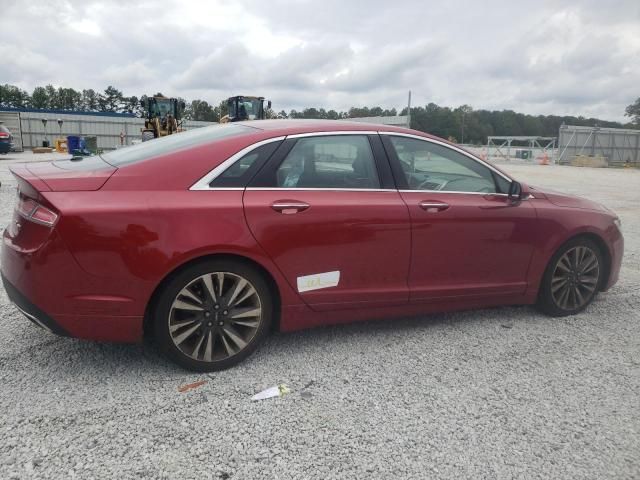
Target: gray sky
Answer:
[[579, 57]]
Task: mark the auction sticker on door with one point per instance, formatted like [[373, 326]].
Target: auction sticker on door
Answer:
[[318, 281]]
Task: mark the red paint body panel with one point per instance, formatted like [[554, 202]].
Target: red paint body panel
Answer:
[[363, 235], [479, 245], [28, 179], [301, 317], [122, 231], [59, 179]]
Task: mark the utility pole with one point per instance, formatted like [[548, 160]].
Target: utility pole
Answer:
[[409, 111], [462, 128]]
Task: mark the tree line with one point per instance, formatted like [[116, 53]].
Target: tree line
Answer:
[[462, 124], [51, 98]]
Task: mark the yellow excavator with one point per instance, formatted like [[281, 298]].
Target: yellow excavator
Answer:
[[241, 108], [162, 116]]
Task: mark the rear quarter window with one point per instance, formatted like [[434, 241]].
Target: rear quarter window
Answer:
[[172, 143]]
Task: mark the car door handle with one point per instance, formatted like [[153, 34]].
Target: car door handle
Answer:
[[433, 206], [288, 207]]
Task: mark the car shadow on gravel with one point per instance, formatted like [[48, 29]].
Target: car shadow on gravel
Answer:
[[72, 357], [505, 317]]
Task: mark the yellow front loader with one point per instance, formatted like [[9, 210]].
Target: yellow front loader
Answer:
[[243, 108], [162, 116]]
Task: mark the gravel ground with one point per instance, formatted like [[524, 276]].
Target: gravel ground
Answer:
[[500, 393]]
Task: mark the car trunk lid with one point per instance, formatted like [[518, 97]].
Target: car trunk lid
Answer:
[[76, 174]]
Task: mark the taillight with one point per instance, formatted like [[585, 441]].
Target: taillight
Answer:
[[4, 135], [32, 210], [26, 206], [44, 216]]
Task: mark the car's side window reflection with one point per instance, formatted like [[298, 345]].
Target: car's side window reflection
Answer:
[[239, 168], [334, 161], [429, 166], [239, 174]]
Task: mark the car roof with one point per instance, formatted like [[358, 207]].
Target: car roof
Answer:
[[296, 126]]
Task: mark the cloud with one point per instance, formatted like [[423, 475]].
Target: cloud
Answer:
[[531, 56], [24, 65]]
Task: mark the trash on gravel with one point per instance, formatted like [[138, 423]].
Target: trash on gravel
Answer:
[[278, 391], [191, 386]]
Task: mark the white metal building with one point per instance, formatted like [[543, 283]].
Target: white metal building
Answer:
[[28, 130], [617, 145]]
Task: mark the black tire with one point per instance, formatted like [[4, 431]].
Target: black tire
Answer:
[[553, 286], [147, 135], [220, 338]]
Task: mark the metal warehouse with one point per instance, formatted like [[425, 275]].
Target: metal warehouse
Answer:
[[617, 145], [29, 131]]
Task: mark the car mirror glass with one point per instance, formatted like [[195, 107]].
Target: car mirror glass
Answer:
[[515, 191]]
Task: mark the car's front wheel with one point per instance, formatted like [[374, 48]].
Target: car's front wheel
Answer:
[[572, 278], [213, 315]]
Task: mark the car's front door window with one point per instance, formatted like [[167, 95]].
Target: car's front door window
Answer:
[[430, 166], [334, 161]]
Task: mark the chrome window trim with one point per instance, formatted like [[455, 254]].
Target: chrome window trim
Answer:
[[311, 189], [454, 191], [215, 189], [203, 183], [333, 133], [452, 147], [506, 195]]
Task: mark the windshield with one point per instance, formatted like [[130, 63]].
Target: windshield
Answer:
[[172, 143], [247, 109], [161, 108]]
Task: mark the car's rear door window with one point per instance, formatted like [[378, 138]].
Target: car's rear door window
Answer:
[[332, 161]]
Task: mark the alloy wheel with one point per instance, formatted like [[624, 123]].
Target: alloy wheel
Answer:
[[215, 316], [575, 278]]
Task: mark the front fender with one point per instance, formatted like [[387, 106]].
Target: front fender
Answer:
[[556, 226]]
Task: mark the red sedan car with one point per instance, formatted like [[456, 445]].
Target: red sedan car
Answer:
[[207, 239]]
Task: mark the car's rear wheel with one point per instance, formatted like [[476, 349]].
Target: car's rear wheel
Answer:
[[572, 278], [213, 315]]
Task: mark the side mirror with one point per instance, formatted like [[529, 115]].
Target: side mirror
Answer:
[[515, 191]]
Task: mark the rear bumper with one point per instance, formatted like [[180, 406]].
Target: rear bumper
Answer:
[[31, 311], [53, 292]]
